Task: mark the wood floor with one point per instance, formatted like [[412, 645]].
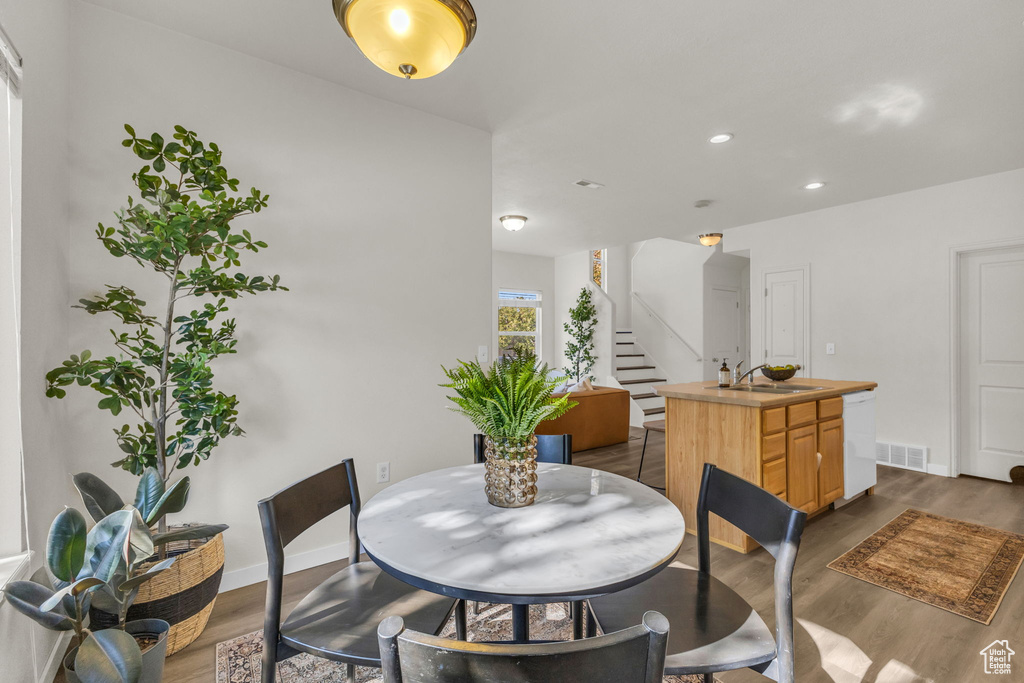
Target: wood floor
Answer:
[[847, 631]]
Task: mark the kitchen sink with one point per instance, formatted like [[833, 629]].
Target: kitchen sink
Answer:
[[770, 388]]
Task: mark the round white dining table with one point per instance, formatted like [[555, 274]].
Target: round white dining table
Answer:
[[589, 533]]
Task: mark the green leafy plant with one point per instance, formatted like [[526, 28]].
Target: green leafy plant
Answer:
[[509, 400], [579, 351], [103, 567], [182, 228]]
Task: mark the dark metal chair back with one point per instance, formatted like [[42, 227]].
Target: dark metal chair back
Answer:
[[289, 512], [771, 522], [634, 655], [556, 448]]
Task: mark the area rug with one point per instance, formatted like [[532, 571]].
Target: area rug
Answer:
[[960, 567], [239, 659]]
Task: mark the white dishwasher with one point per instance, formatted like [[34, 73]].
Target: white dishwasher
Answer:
[[859, 467]]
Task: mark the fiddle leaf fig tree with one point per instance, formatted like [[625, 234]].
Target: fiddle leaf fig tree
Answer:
[[181, 227]]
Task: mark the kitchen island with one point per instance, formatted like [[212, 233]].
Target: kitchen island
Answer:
[[790, 444]]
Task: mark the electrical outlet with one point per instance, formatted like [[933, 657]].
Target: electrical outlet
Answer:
[[482, 352], [830, 349], [383, 472]]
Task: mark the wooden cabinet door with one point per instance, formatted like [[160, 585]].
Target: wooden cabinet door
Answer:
[[830, 472], [802, 468]]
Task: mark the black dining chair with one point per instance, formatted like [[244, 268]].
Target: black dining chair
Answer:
[[338, 619], [713, 628], [633, 655], [554, 448]]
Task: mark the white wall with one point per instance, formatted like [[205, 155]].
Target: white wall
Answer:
[[377, 222], [669, 276], [40, 30], [534, 273], [880, 279]]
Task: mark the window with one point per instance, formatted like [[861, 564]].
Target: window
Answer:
[[598, 270], [518, 322], [11, 522]]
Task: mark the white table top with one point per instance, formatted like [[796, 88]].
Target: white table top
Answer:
[[589, 532]]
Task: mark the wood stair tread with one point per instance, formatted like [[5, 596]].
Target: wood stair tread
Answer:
[[624, 343], [637, 367], [653, 411], [645, 380], [629, 355], [637, 397]]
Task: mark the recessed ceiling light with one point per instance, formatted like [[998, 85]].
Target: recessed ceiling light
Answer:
[[816, 185], [589, 184], [513, 223], [720, 138]]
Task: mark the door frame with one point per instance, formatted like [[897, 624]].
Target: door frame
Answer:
[[956, 254], [765, 272]]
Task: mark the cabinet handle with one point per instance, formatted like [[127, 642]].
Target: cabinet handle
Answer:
[[819, 461]]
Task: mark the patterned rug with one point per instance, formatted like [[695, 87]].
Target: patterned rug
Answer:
[[960, 567], [238, 659]]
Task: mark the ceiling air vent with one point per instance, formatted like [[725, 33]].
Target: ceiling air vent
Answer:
[[902, 455], [589, 184]]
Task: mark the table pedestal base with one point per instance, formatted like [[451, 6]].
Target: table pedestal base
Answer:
[[520, 623]]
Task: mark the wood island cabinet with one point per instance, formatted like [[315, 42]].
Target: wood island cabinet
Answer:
[[794, 451]]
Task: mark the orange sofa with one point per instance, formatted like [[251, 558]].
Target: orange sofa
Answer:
[[600, 419]]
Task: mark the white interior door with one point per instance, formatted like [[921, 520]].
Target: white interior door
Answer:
[[785, 321], [724, 333], [992, 362]]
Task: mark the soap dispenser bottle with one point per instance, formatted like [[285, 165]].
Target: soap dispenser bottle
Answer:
[[724, 375]]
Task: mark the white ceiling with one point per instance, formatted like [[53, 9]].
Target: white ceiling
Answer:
[[873, 96]]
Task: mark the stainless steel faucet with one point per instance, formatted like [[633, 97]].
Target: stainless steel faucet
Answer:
[[749, 373]]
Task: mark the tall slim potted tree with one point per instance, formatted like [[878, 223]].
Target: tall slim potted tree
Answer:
[[181, 227], [579, 350]]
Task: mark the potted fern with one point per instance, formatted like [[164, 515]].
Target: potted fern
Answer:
[[181, 229], [507, 403]]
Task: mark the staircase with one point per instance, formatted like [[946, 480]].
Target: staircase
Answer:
[[638, 375]]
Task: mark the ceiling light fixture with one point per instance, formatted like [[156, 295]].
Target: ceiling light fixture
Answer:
[[710, 239], [589, 184], [513, 223], [816, 185], [720, 138], [409, 38]]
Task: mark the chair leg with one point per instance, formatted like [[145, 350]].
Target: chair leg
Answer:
[[576, 610], [643, 451], [269, 673], [460, 620], [350, 673], [709, 678], [591, 624]]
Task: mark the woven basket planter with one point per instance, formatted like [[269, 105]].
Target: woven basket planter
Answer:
[[183, 595]]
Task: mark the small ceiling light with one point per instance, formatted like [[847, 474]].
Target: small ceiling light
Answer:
[[710, 239], [513, 223], [409, 38], [589, 184], [816, 185], [720, 138]]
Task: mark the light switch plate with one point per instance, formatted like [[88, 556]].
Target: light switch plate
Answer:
[[830, 349], [482, 352]]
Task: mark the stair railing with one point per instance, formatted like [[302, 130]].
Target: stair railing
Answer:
[[668, 328]]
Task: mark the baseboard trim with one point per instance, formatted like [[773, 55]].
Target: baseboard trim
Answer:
[[939, 470], [56, 659], [247, 576]]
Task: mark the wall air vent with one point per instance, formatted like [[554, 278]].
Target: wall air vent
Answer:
[[902, 455], [589, 184]]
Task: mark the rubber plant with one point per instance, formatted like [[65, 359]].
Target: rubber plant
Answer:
[[181, 228], [579, 350], [101, 566]]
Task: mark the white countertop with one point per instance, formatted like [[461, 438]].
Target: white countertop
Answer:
[[588, 529]]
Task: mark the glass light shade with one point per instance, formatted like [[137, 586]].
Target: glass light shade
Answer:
[[408, 38], [710, 239], [513, 223]]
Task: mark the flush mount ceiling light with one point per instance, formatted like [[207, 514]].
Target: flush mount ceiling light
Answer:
[[408, 38], [720, 138], [710, 239], [816, 185], [513, 223], [589, 184]]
